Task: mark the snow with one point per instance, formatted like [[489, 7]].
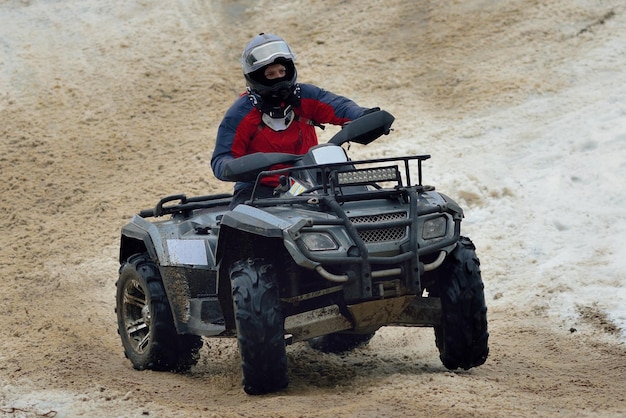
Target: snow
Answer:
[[543, 188]]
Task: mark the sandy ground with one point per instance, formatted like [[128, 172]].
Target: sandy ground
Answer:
[[105, 106]]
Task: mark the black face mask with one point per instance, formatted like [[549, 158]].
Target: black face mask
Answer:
[[277, 96]]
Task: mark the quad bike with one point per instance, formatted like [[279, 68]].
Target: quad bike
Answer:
[[340, 250]]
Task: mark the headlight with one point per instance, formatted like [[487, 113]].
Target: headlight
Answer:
[[368, 175], [434, 228], [319, 241]]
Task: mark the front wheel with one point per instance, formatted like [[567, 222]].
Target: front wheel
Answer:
[[145, 322], [260, 326], [461, 337]]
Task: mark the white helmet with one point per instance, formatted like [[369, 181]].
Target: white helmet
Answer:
[[266, 49]]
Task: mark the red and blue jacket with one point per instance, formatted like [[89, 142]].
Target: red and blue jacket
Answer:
[[242, 131]]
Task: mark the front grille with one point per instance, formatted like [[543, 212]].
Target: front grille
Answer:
[[380, 235]]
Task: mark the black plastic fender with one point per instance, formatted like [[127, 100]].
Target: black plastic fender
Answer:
[[134, 240]]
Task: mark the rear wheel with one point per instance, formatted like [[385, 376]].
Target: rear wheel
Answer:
[[260, 326], [145, 321], [461, 337], [339, 342]]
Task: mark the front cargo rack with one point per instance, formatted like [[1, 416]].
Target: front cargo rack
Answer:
[[333, 177]]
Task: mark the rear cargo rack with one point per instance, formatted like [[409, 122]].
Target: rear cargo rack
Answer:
[[185, 204]]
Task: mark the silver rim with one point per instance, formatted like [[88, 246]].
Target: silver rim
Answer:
[[136, 315]]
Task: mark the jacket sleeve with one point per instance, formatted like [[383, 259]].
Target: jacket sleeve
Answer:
[[328, 107], [226, 135]]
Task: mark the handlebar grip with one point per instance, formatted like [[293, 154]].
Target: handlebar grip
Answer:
[[147, 213]]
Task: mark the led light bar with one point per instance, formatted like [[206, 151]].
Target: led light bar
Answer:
[[368, 175]]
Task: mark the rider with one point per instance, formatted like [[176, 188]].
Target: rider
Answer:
[[277, 114]]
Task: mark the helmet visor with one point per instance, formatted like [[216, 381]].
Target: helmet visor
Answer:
[[265, 54]]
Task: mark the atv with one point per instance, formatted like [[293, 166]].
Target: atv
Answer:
[[341, 249]]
